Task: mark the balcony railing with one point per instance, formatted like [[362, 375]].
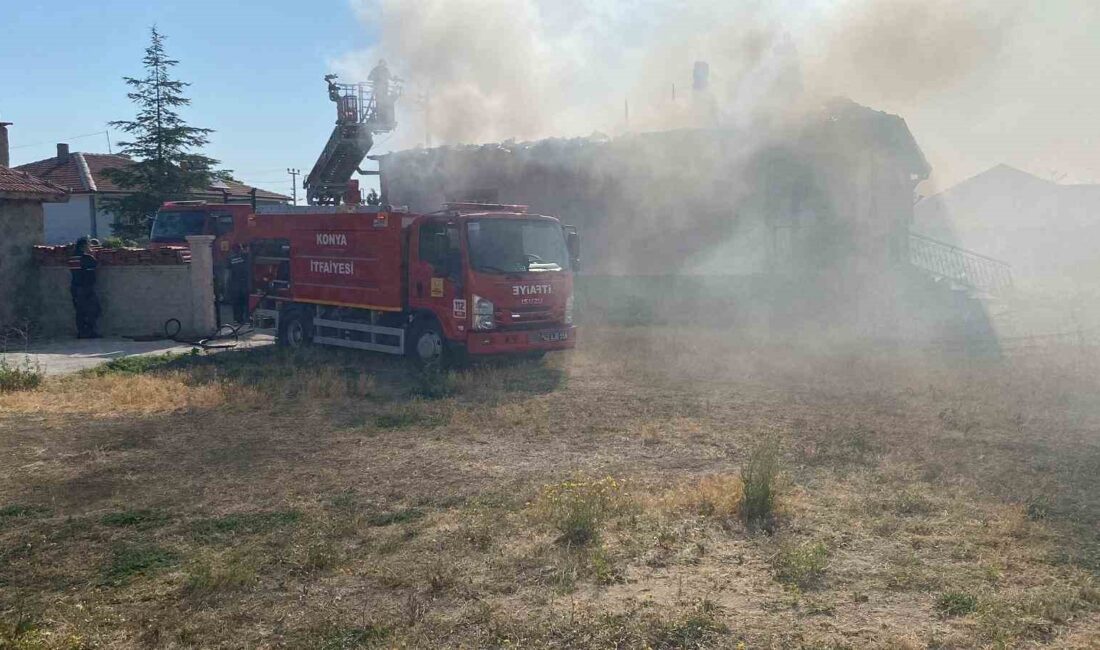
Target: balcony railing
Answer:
[[959, 265]]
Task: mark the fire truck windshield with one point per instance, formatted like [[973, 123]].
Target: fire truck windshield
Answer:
[[516, 246], [173, 225]]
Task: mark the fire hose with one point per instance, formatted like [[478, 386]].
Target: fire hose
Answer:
[[230, 334]]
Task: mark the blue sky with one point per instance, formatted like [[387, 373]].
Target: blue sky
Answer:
[[255, 69], [979, 83]]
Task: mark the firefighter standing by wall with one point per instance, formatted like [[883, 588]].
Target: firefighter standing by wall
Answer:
[[82, 269], [237, 288]]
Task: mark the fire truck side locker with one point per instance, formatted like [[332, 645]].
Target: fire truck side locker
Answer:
[[343, 269]]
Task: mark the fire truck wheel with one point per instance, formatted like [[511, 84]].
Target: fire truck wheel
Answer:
[[295, 328], [426, 342]]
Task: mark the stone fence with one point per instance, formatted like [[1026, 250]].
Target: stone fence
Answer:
[[136, 300]]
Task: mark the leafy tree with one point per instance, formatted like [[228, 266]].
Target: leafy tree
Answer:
[[167, 165]]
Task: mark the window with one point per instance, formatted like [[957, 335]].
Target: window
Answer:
[[175, 226], [439, 246], [517, 246]]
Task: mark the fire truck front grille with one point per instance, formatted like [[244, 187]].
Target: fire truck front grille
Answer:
[[519, 318]]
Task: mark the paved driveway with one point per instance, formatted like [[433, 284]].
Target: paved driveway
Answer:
[[65, 356]]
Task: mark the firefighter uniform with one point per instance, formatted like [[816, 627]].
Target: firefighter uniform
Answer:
[[82, 270], [238, 284], [380, 82]]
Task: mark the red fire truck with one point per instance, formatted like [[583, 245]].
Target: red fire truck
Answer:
[[472, 279]]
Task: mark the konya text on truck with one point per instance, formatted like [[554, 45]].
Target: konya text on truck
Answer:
[[474, 279]]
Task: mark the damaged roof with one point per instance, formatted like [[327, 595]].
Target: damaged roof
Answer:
[[19, 185], [863, 127], [841, 125]]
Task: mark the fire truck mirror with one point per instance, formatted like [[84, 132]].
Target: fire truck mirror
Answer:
[[573, 243]]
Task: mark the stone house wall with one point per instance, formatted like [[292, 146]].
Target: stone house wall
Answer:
[[20, 229]]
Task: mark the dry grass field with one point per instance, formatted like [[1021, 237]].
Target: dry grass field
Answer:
[[654, 488]]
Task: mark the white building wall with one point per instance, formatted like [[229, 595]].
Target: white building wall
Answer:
[[65, 222]]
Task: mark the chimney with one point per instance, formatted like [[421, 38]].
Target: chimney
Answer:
[[62, 151], [700, 76], [5, 160]]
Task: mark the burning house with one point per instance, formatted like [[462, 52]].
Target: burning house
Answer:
[[713, 201], [805, 227]]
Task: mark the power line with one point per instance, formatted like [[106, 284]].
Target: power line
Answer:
[[71, 137], [258, 171]]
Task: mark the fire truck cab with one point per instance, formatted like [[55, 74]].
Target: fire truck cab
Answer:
[[177, 220]]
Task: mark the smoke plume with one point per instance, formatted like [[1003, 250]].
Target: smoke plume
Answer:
[[979, 83], [902, 51], [491, 70]]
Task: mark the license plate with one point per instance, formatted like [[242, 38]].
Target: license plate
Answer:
[[548, 337]]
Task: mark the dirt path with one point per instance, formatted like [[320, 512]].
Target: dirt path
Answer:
[[66, 356]]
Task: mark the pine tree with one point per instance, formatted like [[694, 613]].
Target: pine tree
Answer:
[[167, 165]]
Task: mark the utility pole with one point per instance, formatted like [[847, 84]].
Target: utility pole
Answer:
[[423, 102], [428, 119], [294, 183]]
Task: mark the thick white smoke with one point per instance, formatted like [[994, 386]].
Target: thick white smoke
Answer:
[[499, 69], [964, 74], [979, 83]]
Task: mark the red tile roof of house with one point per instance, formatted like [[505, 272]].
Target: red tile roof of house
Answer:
[[20, 185], [83, 173]]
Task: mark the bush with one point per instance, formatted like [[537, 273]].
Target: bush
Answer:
[[136, 365], [911, 501], [432, 382], [357, 637], [118, 242], [576, 509], [318, 555], [718, 496], [23, 376], [19, 510], [801, 565], [134, 518], [396, 517], [956, 603], [603, 567], [758, 478], [210, 575], [243, 523], [133, 560], [23, 633]]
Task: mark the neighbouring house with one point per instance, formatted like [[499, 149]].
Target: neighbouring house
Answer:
[[22, 197], [82, 174], [1047, 231]]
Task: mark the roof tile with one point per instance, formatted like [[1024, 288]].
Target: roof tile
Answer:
[[13, 182], [66, 173]]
